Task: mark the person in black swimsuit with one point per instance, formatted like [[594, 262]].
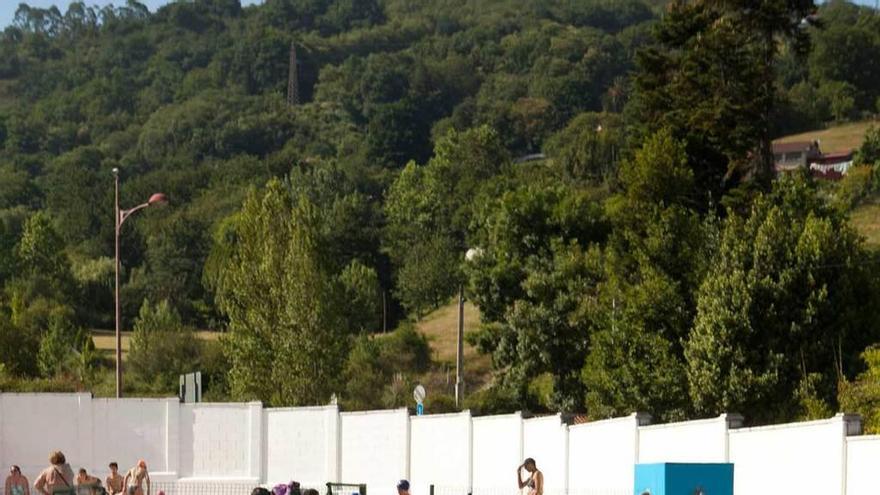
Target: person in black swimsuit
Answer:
[[535, 480]]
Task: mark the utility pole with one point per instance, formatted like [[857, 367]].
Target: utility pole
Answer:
[[293, 78], [459, 356]]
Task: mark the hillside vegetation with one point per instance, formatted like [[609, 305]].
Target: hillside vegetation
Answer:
[[651, 261], [838, 138]]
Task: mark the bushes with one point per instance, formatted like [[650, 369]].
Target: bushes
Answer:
[[863, 394], [162, 348], [381, 369]]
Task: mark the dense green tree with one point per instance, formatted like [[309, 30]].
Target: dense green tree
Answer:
[[788, 297], [286, 339], [654, 261]]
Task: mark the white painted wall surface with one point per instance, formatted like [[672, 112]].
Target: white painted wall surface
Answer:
[[301, 445], [220, 440], [602, 455], [804, 458], [863, 465], [497, 451], [692, 441], [374, 449], [440, 451], [34, 425], [128, 430], [546, 441], [243, 443]]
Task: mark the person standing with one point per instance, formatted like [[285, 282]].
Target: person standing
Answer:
[[16, 484], [535, 480], [114, 482], [136, 479], [87, 484], [57, 478]]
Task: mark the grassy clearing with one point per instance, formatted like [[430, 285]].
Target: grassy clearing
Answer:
[[441, 329], [105, 340], [834, 139], [866, 219]]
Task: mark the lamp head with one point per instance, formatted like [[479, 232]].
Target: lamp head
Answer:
[[157, 199]]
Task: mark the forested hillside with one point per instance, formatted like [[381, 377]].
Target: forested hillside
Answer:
[[645, 258]]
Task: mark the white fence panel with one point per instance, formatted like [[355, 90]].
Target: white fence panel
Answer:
[[863, 465], [602, 456], [441, 453], [375, 449], [221, 441], [690, 441], [128, 430], [301, 444], [546, 441], [497, 451], [34, 425], [804, 458]]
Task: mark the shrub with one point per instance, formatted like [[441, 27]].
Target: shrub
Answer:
[[162, 348]]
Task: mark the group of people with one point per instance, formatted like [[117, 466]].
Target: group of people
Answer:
[[58, 479], [533, 480]]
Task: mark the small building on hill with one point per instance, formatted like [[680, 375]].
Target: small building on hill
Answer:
[[791, 156]]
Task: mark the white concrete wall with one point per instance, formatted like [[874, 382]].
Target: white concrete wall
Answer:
[[221, 441], [497, 451], [440, 453], [691, 441], [34, 425], [243, 444], [131, 429], [863, 465], [601, 456], [805, 458], [301, 444], [546, 441], [374, 449]]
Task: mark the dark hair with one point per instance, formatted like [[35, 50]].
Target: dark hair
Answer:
[[260, 491], [311, 491], [114, 465], [16, 469], [529, 460], [82, 471]]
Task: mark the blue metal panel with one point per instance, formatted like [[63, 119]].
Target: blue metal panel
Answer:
[[684, 479], [650, 479]]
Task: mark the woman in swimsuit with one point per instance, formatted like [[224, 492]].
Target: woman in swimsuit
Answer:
[[535, 480], [16, 484]]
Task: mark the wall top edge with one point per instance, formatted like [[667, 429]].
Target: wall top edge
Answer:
[[136, 399], [302, 408], [221, 405], [863, 438], [50, 394], [464, 414], [718, 419], [634, 418], [403, 410], [536, 419], [835, 420], [516, 415]]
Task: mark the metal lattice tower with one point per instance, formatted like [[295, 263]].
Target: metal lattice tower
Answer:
[[293, 78]]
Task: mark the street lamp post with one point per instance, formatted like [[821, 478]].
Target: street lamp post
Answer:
[[469, 256], [120, 216]]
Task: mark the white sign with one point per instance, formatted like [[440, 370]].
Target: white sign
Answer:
[[419, 394]]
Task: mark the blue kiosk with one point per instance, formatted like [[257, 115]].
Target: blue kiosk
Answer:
[[683, 479]]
